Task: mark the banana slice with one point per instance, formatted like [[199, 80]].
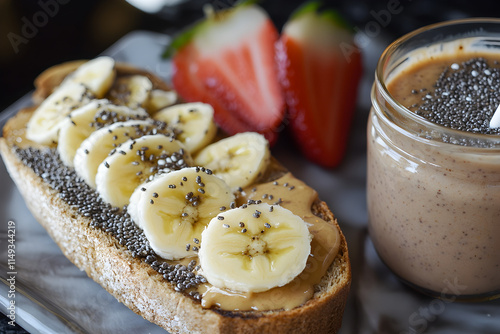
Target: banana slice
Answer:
[[97, 75], [254, 248], [43, 127], [132, 91], [136, 161], [85, 120], [94, 149], [239, 160], [174, 208], [159, 99], [195, 122], [135, 198]]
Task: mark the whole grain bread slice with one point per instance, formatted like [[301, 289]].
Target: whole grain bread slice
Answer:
[[132, 281]]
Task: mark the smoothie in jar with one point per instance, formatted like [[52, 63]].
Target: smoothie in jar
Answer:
[[434, 162]]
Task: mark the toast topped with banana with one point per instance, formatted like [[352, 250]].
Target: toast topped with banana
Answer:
[[194, 230]]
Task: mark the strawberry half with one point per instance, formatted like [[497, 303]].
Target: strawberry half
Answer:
[[192, 89], [320, 69], [228, 61]]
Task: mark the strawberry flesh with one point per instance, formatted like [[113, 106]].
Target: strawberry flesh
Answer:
[[230, 63], [320, 83], [192, 89]]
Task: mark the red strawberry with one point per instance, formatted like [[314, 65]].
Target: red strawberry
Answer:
[[228, 60], [192, 89], [320, 69]]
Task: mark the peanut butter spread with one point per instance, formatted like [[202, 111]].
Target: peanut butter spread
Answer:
[[290, 193], [17, 134], [297, 197]]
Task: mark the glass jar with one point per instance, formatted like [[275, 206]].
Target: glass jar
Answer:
[[433, 192]]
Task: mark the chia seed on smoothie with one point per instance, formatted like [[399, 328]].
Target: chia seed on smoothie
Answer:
[[434, 199]]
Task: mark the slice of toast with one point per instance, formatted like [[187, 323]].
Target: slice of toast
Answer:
[[131, 279]]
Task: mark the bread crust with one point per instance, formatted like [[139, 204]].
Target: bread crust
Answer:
[[46, 81], [138, 286]]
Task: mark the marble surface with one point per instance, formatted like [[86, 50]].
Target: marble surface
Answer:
[[53, 296]]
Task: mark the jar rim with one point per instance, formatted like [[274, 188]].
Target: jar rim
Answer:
[[393, 47]]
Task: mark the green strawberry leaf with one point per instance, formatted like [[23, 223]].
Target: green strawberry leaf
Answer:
[[182, 39], [329, 15], [187, 34]]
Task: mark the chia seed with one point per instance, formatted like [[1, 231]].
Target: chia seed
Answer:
[[112, 220], [105, 117], [464, 98]]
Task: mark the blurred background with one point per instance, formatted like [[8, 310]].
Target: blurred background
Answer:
[[35, 34]]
